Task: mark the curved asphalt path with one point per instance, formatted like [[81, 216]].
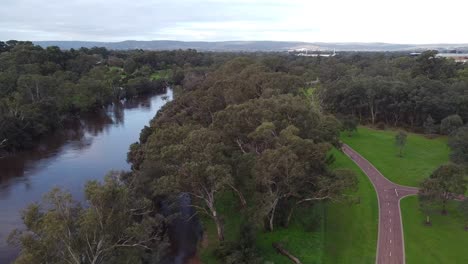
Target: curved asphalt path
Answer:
[[390, 244]]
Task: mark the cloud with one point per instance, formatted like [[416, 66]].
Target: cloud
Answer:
[[401, 21]]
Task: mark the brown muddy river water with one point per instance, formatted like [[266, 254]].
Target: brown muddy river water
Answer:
[[87, 151]]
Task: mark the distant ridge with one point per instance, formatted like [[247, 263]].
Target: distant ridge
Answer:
[[251, 46]]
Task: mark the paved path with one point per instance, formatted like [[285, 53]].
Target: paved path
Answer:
[[390, 244]]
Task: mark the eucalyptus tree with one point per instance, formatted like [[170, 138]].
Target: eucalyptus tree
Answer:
[[115, 225], [200, 167], [400, 142], [458, 143], [445, 183], [450, 124]]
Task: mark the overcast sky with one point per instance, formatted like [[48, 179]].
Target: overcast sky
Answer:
[[394, 21]]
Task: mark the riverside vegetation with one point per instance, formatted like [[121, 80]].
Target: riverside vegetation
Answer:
[[253, 134]]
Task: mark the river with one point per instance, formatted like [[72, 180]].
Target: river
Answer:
[[69, 158]]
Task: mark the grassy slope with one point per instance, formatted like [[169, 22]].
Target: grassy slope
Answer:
[[304, 237], [421, 155], [443, 242], [351, 229]]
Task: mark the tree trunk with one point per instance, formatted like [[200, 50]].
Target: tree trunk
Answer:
[[37, 91], [240, 195], [219, 227], [272, 216], [290, 216], [444, 208], [428, 220], [215, 216]]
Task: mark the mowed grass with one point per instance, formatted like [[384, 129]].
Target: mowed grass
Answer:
[[351, 227], [443, 242], [303, 238], [421, 156]]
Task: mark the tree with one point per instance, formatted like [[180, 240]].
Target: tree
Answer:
[[243, 250], [199, 167], [294, 170], [450, 124], [115, 226], [445, 182], [130, 66], [427, 64], [463, 208], [350, 124], [400, 142], [429, 126], [427, 198], [458, 143]]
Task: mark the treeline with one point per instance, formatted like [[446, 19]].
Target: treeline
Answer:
[[40, 88], [396, 90]]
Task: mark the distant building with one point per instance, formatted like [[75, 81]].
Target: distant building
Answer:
[[306, 53], [458, 57]]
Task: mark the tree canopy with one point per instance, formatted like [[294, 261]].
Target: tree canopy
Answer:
[[116, 226]]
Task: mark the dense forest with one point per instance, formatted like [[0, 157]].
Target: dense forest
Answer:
[[395, 90], [256, 126], [41, 88]]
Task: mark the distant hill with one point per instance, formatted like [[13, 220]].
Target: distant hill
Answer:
[[250, 45]]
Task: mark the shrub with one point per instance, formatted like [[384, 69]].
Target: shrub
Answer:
[[450, 124]]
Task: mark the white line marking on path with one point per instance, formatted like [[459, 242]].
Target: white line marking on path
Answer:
[[396, 192]]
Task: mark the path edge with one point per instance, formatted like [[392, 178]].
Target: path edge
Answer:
[[376, 194]]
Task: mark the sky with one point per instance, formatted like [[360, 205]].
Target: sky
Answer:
[[391, 21]]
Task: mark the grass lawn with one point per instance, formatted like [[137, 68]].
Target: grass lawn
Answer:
[[351, 228], [420, 157], [443, 242], [303, 238], [162, 74]]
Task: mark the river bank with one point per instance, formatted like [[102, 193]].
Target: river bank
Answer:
[[71, 157]]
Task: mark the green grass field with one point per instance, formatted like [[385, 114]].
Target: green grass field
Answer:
[[162, 74], [303, 238], [351, 228], [443, 242], [420, 157]]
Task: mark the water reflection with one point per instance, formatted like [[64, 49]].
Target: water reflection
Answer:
[[83, 150]]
